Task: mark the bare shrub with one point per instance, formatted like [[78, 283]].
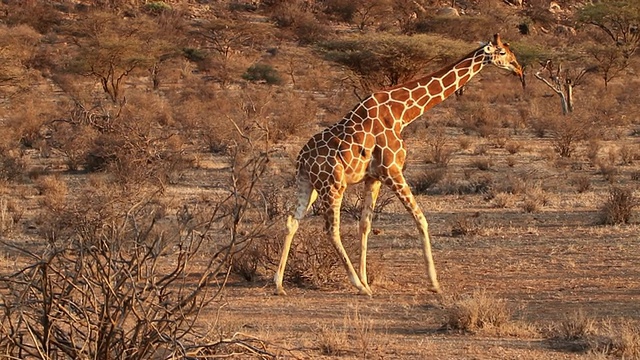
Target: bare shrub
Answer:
[[74, 140], [581, 182], [541, 126], [619, 206], [117, 277], [627, 154], [465, 225], [286, 13], [109, 289], [500, 139], [314, 263], [472, 184], [480, 149], [479, 119], [567, 132], [593, 148], [289, 114], [427, 180], [436, 141], [608, 171], [464, 143], [477, 311], [309, 30], [513, 147], [353, 202], [12, 166], [514, 185], [483, 163]]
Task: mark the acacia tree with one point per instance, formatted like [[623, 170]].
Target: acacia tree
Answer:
[[110, 48], [383, 60], [619, 22], [224, 39]]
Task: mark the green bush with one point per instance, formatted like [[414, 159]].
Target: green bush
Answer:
[[263, 72], [157, 7]]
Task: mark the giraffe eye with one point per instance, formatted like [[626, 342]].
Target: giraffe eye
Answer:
[[503, 52]]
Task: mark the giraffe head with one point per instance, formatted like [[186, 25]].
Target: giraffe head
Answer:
[[500, 55]]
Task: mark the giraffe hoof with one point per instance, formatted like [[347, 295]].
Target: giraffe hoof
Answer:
[[280, 292], [366, 291], [435, 289]]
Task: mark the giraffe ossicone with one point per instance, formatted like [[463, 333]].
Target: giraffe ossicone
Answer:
[[367, 146]]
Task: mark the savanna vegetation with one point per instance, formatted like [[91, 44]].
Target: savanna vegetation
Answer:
[[147, 158]]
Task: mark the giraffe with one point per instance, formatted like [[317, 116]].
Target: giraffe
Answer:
[[367, 146]]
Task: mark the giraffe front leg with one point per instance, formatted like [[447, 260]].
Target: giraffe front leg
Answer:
[[332, 218], [371, 191], [403, 192]]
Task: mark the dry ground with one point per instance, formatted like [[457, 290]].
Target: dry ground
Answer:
[[546, 265]]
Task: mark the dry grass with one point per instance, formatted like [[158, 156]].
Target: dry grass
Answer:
[[333, 341], [355, 336], [503, 200], [582, 333], [576, 326], [624, 340], [477, 311], [535, 199], [10, 215]]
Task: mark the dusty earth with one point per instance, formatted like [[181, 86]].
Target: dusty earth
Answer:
[[547, 265], [543, 267]]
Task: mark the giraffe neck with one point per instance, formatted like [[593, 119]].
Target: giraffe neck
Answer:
[[420, 95]]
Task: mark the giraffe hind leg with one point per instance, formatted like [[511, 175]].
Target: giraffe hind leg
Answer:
[[306, 197]]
